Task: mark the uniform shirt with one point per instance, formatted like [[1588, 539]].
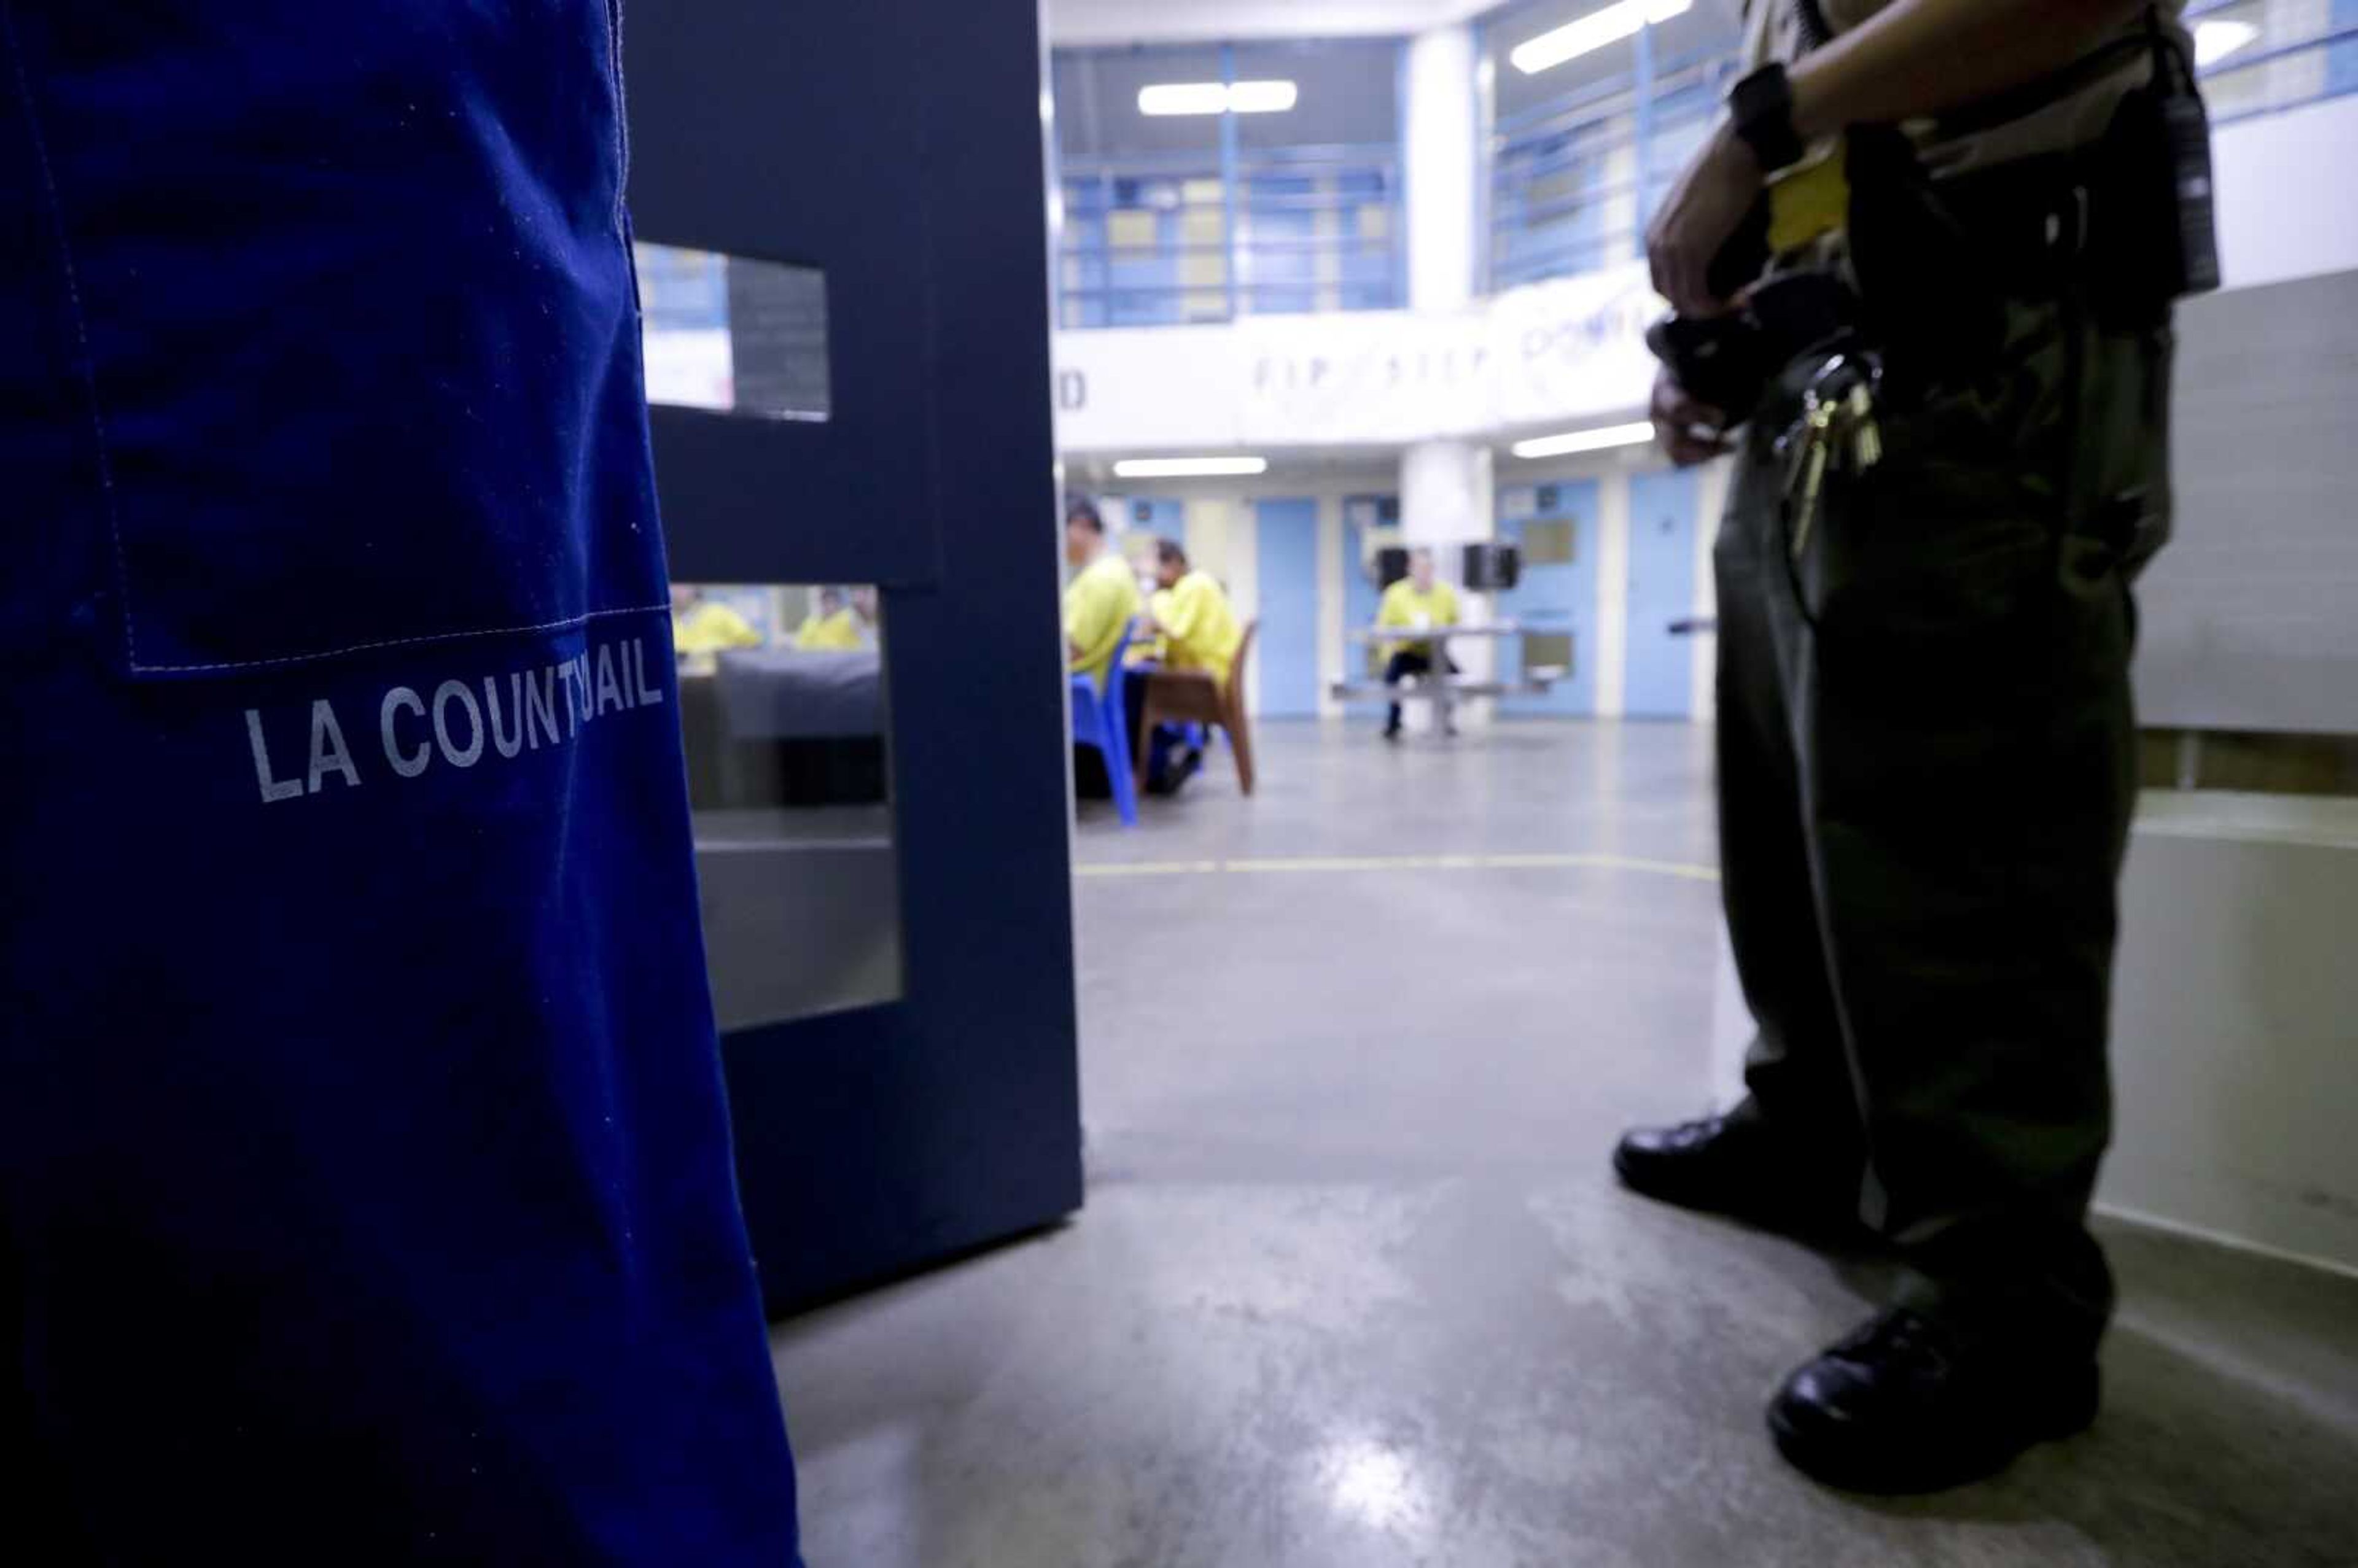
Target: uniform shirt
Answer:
[[1772, 32], [710, 627], [1099, 605], [1199, 627], [1406, 605], [838, 634]]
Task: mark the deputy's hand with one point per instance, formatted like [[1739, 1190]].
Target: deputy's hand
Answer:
[[1702, 213], [1680, 422]]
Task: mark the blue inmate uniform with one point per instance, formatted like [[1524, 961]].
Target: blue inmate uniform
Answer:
[[365, 1188]]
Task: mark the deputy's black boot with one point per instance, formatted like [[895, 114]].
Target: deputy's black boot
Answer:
[[1740, 1165], [1911, 1403]]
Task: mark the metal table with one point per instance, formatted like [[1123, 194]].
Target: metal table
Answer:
[[1443, 690]]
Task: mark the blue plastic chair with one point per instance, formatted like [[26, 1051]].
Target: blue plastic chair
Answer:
[[1100, 722]]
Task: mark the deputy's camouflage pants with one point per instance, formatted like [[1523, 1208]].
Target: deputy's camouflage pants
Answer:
[[1927, 771]]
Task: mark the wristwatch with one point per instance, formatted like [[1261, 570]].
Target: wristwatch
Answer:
[[1762, 105]]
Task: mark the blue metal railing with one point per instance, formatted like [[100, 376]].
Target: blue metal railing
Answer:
[[1228, 231], [1573, 181], [2297, 70], [1170, 240]]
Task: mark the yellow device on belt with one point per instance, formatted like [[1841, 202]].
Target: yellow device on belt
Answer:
[[1809, 202]]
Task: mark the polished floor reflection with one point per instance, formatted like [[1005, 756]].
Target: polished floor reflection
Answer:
[[1355, 1289]]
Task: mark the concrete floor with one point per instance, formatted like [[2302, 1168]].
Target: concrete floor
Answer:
[[1355, 1288]]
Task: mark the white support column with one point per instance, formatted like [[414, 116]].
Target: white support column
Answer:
[[1446, 486], [1447, 501], [1438, 156], [1446, 495]]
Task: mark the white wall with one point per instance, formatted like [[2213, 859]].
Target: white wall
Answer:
[[1440, 154], [2235, 1032], [2284, 181], [1556, 355], [2235, 1027]]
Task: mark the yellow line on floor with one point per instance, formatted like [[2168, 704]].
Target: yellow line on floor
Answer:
[[1319, 864]]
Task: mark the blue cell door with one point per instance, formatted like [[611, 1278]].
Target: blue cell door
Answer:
[[1555, 526], [1658, 682], [1287, 647]]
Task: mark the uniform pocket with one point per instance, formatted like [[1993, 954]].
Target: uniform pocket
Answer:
[[355, 323]]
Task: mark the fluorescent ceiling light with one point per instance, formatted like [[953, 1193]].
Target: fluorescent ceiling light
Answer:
[[1598, 441], [1189, 467], [1615, 22], [1218, 98], [1263, 97], [2215, 41]]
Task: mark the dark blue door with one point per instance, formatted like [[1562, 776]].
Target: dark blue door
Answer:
[[877, 1138]]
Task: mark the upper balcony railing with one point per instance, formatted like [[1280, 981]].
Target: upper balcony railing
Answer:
[[1202, 183], [1174, 239], [1571, 181]]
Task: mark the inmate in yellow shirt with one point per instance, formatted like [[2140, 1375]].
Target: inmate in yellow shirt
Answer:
[[1099, 605], [1404, 606], [836, 634], [711, 627], [1199, 628]]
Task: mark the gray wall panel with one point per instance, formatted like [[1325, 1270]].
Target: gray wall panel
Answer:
[[2251, 615]]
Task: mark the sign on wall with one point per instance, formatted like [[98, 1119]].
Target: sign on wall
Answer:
[[1568, 352]]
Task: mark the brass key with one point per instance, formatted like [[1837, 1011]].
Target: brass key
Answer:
[[1866, 436], [1817, 447]]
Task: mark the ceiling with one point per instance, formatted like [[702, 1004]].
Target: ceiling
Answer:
[[1083, 23], [1349, 97], [1075, 23]]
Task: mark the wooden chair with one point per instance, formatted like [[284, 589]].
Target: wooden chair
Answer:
[[1193, 696]]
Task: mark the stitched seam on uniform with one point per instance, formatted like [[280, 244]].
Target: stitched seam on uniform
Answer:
[[621, 112], [400, 642], [88, 369], [635, 347]]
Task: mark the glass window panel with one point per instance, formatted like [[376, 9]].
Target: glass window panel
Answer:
[[734, 334], [782, 708], [1547, 651], [1548, 543]]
